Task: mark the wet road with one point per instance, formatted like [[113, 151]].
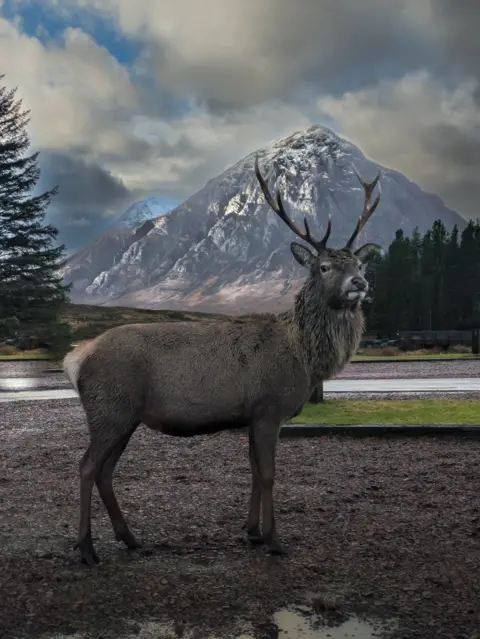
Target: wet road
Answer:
[[26, 389], [36, 380]]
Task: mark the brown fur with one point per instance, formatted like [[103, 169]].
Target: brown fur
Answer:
[[185, 379]]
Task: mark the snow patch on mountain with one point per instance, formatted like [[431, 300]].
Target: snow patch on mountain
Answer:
[[224, 245], [138, 212]]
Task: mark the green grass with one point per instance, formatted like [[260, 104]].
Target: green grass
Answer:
[[25, 355], [409, 411]]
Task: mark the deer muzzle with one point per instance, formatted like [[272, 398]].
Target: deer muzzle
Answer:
[[356, 288]]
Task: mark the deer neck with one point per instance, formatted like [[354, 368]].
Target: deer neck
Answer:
[[327, 337]]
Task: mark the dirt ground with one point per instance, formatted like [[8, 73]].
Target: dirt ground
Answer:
[[383, 528]]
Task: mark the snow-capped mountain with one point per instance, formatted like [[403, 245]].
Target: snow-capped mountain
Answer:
[[223, 249], [139, 212]]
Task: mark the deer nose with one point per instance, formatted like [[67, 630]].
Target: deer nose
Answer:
[[359, 283]]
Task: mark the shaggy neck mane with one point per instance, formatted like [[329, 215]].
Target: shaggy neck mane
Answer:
[[328, 337]]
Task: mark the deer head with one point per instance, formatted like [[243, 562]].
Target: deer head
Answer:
[[337, 272]]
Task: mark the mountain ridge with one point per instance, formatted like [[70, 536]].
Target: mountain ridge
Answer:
[[224, 250]]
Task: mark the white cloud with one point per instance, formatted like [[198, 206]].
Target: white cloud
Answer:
[[82, 99], [74, 91], [243, 52]]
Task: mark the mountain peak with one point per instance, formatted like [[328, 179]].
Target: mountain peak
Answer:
[[224, 249], [143, 210]]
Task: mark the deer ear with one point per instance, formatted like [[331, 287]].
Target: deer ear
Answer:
[[367, 251], [302, 254]]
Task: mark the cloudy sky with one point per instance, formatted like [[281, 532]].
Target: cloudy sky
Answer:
[[134, 97]]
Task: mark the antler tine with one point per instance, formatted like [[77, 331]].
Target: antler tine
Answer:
[[368, 208], [324, 240], [279, 209]]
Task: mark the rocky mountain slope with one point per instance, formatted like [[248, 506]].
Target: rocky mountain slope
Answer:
[[224, 250]]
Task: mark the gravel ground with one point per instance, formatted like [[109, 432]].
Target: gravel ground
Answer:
[[397, 396], [382, 528], [32, 368], [408, 370]]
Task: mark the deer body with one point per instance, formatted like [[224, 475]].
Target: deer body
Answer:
[[222, 387], [185, 379]]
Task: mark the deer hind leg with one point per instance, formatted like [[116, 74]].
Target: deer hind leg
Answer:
[[253, 521], [102, 444], [90, 465], [265, 437], [105, 488]]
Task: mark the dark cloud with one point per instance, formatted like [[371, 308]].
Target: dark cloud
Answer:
[[458, 154], [87, 197], [331, 44], [464, 192], [456, 25], [456, 147], [87, 184]]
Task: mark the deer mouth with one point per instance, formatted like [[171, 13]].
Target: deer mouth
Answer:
[[356, 295]]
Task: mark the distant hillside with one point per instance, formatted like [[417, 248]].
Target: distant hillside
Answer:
[[89, 321]]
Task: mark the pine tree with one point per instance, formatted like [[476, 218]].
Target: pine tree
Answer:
[[469, 270], [396, 273], [417, 285], [31, 288], [371, 305]]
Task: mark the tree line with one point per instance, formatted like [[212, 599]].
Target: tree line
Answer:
[[424, 282]]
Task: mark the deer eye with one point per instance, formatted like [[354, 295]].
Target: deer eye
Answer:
[[324, 268]]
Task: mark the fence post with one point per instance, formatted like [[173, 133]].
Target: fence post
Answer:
[[317, 395], [476, 341]]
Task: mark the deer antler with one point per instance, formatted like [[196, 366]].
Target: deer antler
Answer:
[[368, 208], [279, 209]]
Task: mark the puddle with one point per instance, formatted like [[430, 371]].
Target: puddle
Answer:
[[18, 383], [290, 625]]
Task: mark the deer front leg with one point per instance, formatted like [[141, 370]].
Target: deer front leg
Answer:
[[253, 520], [265, 437]]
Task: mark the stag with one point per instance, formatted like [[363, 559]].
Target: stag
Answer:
[[254, 371]]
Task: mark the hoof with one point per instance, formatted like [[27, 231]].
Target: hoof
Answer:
[[88, 555], [89, 558], [129, 540], [276, 548], [255, 536]]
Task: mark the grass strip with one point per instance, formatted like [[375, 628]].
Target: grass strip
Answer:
[[408, 411]]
